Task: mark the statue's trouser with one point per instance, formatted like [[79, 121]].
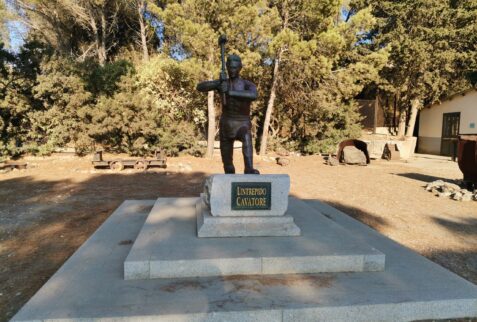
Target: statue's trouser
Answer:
[[231, 130]]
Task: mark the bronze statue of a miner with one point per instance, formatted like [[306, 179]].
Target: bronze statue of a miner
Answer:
[[237, 95]]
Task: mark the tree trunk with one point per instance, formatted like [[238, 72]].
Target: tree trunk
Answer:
[[97, 40], [394, 113], [211, 128], [412, 121], [375, 116], [142, 24], [402, 123], [104, 32], [273, 91], [271, 102]]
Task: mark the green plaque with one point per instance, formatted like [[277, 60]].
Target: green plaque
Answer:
[[251, 195]]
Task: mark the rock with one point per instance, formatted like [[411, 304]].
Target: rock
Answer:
[[283, 161], [457, 196], [332, 161], [353, 155], [453, 190], [451, 186], [433, 184]]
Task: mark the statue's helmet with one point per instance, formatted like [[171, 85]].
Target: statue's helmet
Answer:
[[235, 58]]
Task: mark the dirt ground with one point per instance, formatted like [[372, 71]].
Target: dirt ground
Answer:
[[48, 210]]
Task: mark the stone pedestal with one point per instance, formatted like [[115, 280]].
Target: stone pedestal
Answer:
[[243, 226], [222, 190], [245, 206]]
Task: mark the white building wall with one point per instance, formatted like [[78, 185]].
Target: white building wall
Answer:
[[430, 123]]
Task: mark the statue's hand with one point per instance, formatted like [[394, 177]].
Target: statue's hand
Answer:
[[224, 87]]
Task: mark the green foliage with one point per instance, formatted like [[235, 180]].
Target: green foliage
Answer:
[[322, 70], [122, 74], [180, 138], [145, 112], [334, 126], [65, 106], [103, 80], [18, 76], [432, 47]]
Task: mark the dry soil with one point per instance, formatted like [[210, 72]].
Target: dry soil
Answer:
[[48, 210]]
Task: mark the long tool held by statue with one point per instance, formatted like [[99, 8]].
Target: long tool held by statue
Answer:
[[223, 73]]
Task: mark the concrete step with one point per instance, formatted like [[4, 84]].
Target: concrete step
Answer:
[[168, 247]]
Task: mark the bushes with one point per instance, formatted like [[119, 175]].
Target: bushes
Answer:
[[332, 127], [103, 80], [65, 106], [153, 108], [54, 102], [180, 138]]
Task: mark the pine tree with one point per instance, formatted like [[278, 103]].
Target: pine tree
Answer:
[[320, 64], [431, 50]]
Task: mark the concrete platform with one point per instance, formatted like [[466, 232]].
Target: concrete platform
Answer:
[[264, 226], [168, 247], [90, 286]]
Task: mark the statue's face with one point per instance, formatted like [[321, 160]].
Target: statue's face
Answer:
[[233, 68]]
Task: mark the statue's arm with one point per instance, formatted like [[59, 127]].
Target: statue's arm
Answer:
[[250, 92], [208, 86]]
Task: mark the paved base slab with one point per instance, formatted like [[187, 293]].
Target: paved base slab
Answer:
[[264, 226], [90, 286], [168, 247]]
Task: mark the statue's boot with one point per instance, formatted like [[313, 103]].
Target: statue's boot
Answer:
[[247, 151], [252, 171], [229, 169], [248, 160]]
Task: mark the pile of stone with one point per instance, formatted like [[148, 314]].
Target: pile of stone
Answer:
[[451, 190]]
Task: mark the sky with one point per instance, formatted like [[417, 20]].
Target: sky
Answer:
[[17, 32]]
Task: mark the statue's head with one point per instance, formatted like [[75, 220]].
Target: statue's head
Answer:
[[234, 65]]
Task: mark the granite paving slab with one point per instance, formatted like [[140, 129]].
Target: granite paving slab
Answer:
[[90, 286]]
